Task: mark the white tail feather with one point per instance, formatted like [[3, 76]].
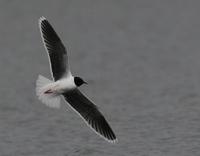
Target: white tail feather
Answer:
[[42, 85]]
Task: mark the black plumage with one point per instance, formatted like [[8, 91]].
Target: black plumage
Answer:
[[56, 50], [90, 113]]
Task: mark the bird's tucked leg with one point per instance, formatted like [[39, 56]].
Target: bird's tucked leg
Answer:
[[49, 91]]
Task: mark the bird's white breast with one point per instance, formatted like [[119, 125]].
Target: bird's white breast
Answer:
[[64, 84]]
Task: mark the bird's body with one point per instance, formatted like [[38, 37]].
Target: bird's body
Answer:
[[64, 84], [61, 86]]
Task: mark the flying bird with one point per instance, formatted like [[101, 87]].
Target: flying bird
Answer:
[[66, 85]]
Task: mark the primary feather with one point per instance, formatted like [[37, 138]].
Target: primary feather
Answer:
[[90, 113], [56, 51]]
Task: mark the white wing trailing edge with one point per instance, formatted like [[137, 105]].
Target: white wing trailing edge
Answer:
[[90, 113], [58, 58]]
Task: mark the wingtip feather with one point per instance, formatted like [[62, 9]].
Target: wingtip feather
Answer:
[[42, 18]]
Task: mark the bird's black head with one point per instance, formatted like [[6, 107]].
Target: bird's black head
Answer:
[[79, 81]]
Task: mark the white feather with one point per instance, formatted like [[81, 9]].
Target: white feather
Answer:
[[42, 85]]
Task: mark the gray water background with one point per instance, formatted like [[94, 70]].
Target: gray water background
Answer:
[[142, 61]]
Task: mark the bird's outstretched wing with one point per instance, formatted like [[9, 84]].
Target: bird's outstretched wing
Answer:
[[89, 112], [56, 51]]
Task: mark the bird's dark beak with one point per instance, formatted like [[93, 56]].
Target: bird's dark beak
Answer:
[[85, 83]]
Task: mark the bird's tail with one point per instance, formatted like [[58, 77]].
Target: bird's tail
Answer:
[[43, 86]]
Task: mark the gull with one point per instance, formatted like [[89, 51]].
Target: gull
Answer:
[[66, 85]]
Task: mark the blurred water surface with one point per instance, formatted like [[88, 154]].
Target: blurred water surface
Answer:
[[141, 59]]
